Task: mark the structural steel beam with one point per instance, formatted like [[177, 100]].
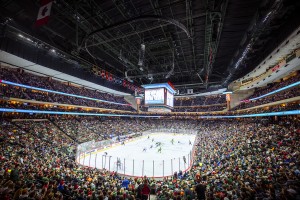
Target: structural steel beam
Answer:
[[211, 44], [138, 19]]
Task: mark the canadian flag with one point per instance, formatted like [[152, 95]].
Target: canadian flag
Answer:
[[44, 12]]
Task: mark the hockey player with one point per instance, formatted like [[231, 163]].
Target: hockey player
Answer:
[[118, 163], [172, 141], [184, 159], [148, 137], [159, 150], [190, 143], [145, 149]]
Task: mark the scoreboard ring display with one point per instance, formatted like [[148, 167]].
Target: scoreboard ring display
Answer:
[[160, 94]]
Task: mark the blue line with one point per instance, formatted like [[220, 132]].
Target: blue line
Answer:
[[278, 90], [61, 93], [292, 112]]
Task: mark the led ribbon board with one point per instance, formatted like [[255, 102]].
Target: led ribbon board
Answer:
[[9, 110]]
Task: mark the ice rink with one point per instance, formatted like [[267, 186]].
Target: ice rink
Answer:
[[136, 162]]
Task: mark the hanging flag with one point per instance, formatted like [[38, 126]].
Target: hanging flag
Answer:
[[44, 12], [124, 83], [103, 73], [110, 77], [107, 75]]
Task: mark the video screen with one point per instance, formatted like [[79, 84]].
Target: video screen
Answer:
[[170, 99], [154, 96]]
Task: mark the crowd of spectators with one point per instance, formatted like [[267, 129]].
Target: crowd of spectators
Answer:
[[19, 76], [274, 108], [199, 101], [8, 91], [197, 104], [192, 104], [234, 159], [28, 106], [274, 86], [200, 109], [250, 160], [285, 94]]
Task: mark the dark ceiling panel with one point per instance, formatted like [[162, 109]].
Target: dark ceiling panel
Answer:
[[161, 40]]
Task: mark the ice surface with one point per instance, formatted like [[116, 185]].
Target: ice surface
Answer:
[[155, 164]]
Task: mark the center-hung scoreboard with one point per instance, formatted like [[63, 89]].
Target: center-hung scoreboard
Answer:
[[159, 97]]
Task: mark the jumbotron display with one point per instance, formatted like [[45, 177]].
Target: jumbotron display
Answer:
[[170, 99], [159, 97], [154, 96]]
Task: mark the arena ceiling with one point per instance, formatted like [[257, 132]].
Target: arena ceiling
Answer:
[[200, 44]]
